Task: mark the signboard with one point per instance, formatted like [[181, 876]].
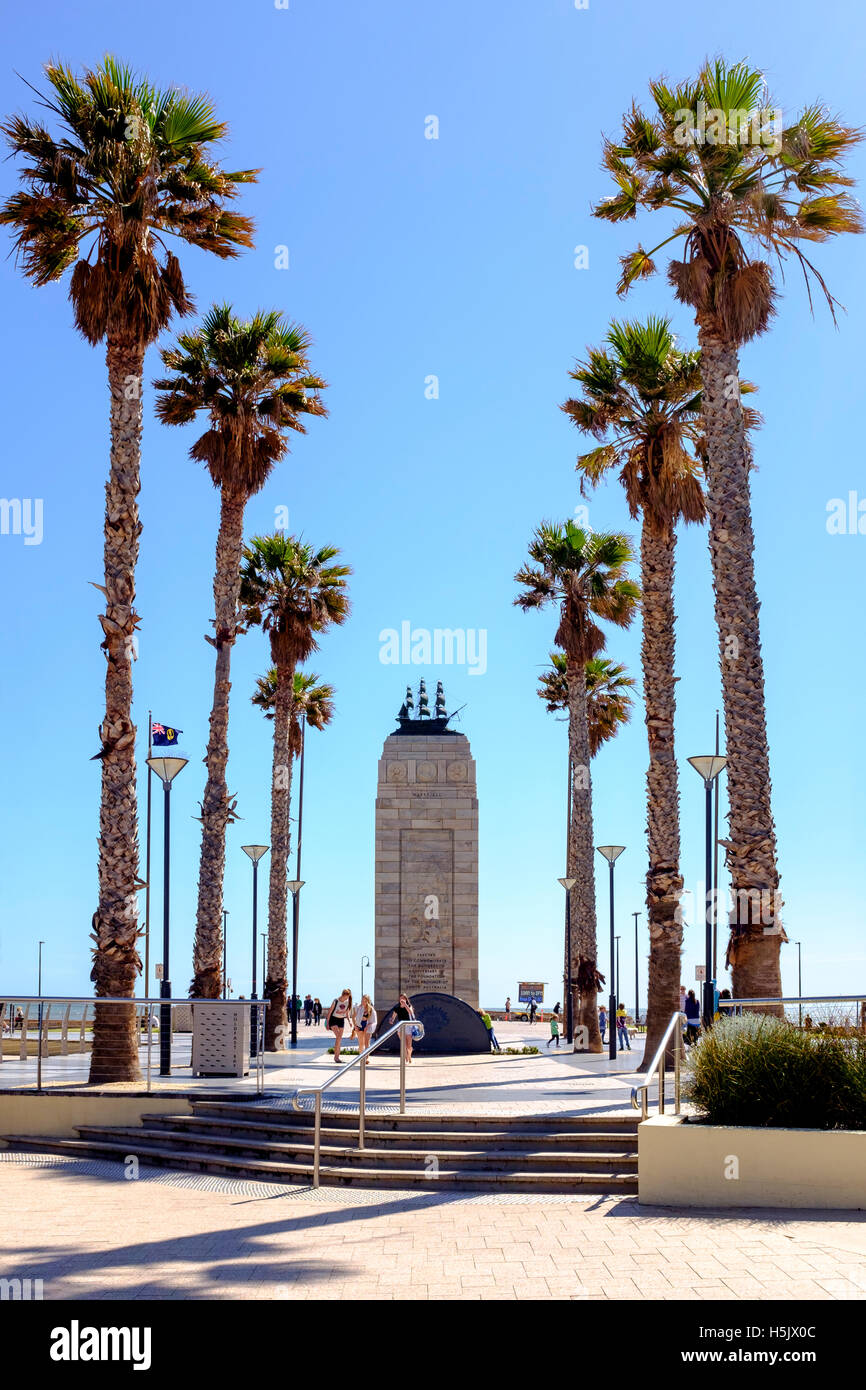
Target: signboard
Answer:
[[157, 970], [527, 990], [700, 972]]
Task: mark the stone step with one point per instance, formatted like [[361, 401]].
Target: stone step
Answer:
[[464, 1160], [521, 1124], [622, 1182], [376, 1136]]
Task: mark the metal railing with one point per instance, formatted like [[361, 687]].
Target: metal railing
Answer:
[[9, 1004], [640, 1094], [360, 1060]]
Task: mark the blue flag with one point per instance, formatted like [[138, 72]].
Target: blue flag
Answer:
[[163, 736]]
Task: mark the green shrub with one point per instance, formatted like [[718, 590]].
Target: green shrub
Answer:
[[519, 1051], [762, 1071]]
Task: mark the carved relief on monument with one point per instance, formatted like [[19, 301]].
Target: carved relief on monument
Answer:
[[396, 772], [426, 772], [456, 772]]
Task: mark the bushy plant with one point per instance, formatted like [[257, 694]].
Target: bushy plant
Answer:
[[763, 1071]]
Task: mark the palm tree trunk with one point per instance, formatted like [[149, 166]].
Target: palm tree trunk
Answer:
[[217, 806], [756, 932], [581, 867], [276, 984], [663, 882], [116, 962]]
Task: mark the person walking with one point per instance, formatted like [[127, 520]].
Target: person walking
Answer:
[[554, 1027], [340, 1010], [533, 1010], [488, 1024], [508, 1008], [317, 1011], [602, 1020], [622, 1027], [404, 1013], [693, 1018], [308, 1010], [365, 1022]]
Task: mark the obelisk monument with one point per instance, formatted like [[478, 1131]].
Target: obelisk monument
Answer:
[[426, 858]]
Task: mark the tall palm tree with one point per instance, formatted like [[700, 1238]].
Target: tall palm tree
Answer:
[[251, 380], [737, 184], [131, 167], [586, 574], [294, 593], [641, 400]]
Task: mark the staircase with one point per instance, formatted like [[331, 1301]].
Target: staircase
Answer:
[[553, 1153]]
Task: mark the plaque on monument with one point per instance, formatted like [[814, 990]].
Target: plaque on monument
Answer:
[[426, 859]]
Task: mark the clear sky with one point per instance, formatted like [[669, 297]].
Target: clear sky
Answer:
[[410, 258]]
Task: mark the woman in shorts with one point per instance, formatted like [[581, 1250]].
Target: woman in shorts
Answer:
[[340, 1010]]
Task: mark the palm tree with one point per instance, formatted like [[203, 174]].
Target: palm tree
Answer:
[[293, 592], [741, 181], [131, 167], [586, 574], [251, 380], [608, 698], [641, 400]]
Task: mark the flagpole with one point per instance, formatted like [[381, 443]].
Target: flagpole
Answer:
[[715, 883], [147, 864]]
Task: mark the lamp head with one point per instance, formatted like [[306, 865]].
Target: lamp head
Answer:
[[708, 766], [611, 852], [567, 883], [295, 885], [255, 851], [167, 768]]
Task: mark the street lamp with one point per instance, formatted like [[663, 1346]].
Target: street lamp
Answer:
[[255, 853], [295, 885], [166, 769], [635, 915], [225, 949], [611, 853], [365, 960], [708, 767], [568, 884], [617, 983], [39, 989], [799, 946]]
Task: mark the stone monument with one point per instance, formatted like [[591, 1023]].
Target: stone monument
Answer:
[[426, 859]]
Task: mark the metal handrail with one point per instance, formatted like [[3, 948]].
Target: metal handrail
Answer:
[[138, 1002], [795, 999], [658, 1065], [360, 1060]]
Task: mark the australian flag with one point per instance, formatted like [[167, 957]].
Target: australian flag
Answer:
[[163, 736]]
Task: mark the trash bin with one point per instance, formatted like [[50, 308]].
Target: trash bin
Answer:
[[220, 1040]]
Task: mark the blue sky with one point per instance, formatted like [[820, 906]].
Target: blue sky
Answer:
[[411, 257]]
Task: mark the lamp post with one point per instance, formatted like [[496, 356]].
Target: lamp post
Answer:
[[799, 946], [708, 767], [611, 853], [618, 981], [255, 853], [166, 769], [225, 949], [635, 915], [39, 991], [568, 884], [295, 885], [365, 960]]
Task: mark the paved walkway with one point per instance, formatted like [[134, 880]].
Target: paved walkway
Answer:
[[101, 1237]]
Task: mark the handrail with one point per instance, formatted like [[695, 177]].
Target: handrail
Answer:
[[795, 999], [360, 1060], [658, 1065], [138, 1002]]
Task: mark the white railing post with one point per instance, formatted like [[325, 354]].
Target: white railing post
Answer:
[[317, 1138]]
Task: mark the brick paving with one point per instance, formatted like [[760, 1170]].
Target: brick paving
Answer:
[[101, 1237]]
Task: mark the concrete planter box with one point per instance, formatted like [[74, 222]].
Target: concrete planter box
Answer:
[[683, 1164]]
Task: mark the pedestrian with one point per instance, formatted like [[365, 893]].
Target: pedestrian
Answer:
[[602, 1020], [693, 1017], [404, 1013], [308, 1010], [488, 1024], [317, 1011], [533, 1010], [365, 1022], [682, 999], [340, 1010], [622, 1027], [508, 1008], [554, 1027], [19, 1019]]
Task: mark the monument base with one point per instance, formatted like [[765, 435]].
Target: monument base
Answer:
[[452, 1028]]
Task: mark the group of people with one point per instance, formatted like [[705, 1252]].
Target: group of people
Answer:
[[362, 1019], [621, 1026]]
